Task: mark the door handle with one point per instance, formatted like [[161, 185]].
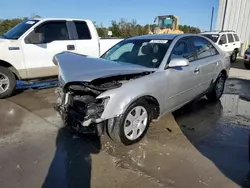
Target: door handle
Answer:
[[196, 70], [226, 45], [233, 44], [71, 47]]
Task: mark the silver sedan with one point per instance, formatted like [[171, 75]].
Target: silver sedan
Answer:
[[138, 80]]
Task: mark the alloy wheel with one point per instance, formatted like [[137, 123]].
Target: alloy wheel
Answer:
[[4, 83]]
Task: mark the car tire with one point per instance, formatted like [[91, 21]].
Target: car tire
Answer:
[[217, 89], [7, 82], [247, 65], [234, 56], [125, 129]]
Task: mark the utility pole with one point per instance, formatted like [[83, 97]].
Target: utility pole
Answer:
[[212, 17], [224, 16]]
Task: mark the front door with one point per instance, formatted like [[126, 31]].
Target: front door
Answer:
[[183, 82], [223, 43], [40, 46], [207, 58]]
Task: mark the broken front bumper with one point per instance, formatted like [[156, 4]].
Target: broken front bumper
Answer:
[[71, 107]]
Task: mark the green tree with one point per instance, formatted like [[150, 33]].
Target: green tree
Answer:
[[7, 24]]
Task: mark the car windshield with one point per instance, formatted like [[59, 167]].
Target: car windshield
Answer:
[[18, 30], [213, 37], [144, 52]]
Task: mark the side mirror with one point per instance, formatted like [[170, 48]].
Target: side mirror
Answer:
[[178, 62]]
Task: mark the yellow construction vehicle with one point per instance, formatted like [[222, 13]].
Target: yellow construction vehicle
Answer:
[[167, 24]]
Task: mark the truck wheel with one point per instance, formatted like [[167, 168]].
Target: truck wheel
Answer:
[[132, 125], [7, 82], [218, 87], [234, 56], [247, 65]]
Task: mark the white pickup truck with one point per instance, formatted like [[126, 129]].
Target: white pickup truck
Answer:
[[27, 50]]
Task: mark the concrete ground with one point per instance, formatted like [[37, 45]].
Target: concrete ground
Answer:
[[201, 145]]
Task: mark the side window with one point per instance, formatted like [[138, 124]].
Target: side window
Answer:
[[204, 48], [121, 51], [48, 32], [82, 30], [182, 49], [236, 38], [223, 39], [230, 38]]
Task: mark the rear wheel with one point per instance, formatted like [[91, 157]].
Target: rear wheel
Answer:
[[132, 125], [7, 82], [234, 56], [218, 88]]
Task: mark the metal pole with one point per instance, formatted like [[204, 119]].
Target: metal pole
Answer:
[[212, 17], [224, 16]]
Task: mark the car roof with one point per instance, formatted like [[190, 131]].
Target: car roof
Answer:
[[68, 19], [217, 32], [158, 36], [210, 33]]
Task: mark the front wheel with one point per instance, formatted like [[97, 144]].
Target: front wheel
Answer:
[[7, 82], [217, 89], [131, 127]]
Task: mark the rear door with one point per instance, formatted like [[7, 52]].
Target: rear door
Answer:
[[236, 41], [86, 42], [40, 46], [208, 60], [231, 42]]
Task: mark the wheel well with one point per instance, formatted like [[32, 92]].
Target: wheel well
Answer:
[[154, 103], [224, 72], [10, 67]]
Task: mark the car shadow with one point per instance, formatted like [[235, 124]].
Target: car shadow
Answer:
[[238, 64], [220, 138], [72, 163]]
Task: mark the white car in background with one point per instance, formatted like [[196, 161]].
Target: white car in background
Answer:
[[228, 41], [28, 48]]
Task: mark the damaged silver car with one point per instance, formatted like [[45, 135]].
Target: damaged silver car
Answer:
[[136, 81]]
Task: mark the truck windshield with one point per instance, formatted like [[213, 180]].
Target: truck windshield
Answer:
[[145, 52], [213, 37], [166, 23], [18, 30]]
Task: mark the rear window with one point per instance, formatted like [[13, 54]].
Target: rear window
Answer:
[[82, 30], [236, 38], [213, 37], [230, 38]]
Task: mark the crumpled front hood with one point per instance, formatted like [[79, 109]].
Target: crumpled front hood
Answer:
[[75, 67]]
